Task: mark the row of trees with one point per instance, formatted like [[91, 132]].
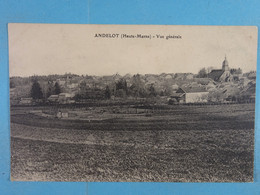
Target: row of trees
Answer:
[[119, 89], [37, 92]]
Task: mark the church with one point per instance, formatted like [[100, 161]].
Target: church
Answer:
[[221, 75]]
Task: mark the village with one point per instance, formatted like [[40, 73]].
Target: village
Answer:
[[216, 86], [124, 127]]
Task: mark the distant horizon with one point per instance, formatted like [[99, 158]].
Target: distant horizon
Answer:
[[132, 74]]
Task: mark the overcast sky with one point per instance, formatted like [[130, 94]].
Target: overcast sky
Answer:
[[42, 49]]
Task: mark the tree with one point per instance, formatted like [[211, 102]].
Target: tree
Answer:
[[36, 91], [236, 71], [12, 85], [57, 89], [120, 93], [107, 93], [167, 88], [77, 97], [216, 96], [202, 73], [49, 90], [162, 93], [121, 84], [138, 87], [125, 87], [82, 88], [151, 91], [121, 88]]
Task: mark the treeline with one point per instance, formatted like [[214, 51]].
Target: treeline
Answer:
[[36, 91], [119, 89], [20, 81]]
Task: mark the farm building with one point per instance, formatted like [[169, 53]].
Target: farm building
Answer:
[[26, 101], [63, 114], [53, 98], [221, 75], [62, 98], [65, 98], [190, 95]]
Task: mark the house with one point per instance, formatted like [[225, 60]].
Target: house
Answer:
[[190, 95], [150, 79], [179, 76], [62, 114], [189, 76], [72, 85], [53, 98], [251, 75], [62, 98], [65, 98], [116, 77], [26, 101], [221, 75], [237, 77], [61, 82], [168, 76]]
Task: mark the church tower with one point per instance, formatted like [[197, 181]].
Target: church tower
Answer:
[[225, 65]]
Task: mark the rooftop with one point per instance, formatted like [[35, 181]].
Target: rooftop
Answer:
[[192, 89], [215, 74]]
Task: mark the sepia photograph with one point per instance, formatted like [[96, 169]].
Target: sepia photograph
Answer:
[[132, 103]]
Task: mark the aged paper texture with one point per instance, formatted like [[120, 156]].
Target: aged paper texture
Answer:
[[149, 103]]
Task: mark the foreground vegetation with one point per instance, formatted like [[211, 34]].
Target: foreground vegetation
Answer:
[[177, 144]]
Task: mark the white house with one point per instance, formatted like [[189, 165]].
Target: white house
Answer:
[[190, 95]]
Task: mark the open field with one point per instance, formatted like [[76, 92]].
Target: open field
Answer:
[[171, 144]]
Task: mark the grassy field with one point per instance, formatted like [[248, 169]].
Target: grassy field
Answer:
[[173, 144]]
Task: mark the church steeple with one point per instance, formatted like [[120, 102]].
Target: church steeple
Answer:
[[225, 64]]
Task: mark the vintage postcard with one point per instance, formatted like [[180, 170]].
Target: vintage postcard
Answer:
[[132, 103]]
